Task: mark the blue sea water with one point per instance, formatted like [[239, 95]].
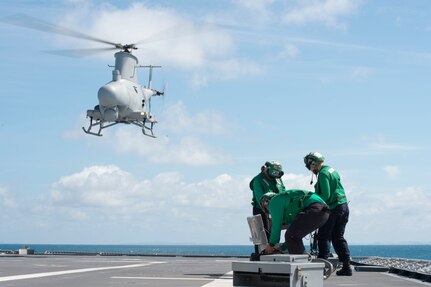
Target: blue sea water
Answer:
[[393, 251]]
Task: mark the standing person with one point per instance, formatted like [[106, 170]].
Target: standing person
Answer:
[[268, 180], [330, 189], [303, 211]]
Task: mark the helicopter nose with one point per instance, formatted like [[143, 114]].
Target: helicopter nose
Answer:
[[110, 95]]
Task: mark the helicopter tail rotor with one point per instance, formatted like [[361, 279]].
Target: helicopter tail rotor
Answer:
[[162, 93]]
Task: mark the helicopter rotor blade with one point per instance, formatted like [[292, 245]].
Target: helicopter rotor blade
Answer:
[[77, 53], [172, 33], [164, 91], [30, 22], [26, 21]]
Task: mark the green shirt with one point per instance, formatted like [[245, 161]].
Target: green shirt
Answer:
[[329, 187], [261, 184], [284, 208]]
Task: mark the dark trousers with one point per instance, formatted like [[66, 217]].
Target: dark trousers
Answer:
[[333, 230], [305, 222], [266, 225]]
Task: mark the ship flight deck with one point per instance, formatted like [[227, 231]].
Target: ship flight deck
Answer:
[[199, 271]]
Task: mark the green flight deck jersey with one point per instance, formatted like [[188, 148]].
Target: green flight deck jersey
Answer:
[[329, 187], [284, 207], [260, 185]]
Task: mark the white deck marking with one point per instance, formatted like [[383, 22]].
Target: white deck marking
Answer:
[[223, 281], [162, 278], [56, 273]]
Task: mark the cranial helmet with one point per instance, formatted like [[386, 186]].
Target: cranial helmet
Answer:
[[265, 199], [274, 169], [313, 157]]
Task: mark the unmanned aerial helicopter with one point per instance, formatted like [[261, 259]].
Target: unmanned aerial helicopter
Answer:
[[122, 100]]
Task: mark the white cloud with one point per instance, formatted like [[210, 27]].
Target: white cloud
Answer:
[[156, 27], [298, 181], [410, 199], [109, 199], [289, 51], [181, 138], [234, 68], [389, 215], [93, 186], [392, 170], [219, 203], [177, 119], [76, 132], [387, 147], [376, 145], [165, 202], [255, 5], [260, 9], [188, 149], [199, 81], [223, 191], [110, 195], [360, 73], [6, 200], [113, 190], [324, 11], [167, 38]]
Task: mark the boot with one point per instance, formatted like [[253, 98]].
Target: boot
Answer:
[[255, 257], [346, 270]]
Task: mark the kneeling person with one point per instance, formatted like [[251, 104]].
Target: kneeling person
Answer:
[[304, 211]]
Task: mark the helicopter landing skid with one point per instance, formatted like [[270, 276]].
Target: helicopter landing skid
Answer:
[[145, 124], [97, 123], [144, 127]]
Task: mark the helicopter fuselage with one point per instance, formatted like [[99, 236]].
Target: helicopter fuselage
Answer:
[[120, 99], [123, 100]]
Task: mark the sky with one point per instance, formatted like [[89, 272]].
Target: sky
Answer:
[[246, 82]]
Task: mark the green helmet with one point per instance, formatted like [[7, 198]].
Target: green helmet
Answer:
[[313, 157], [265, 199], [274, 169]]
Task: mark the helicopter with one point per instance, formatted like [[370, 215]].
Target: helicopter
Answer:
[[123, 99]]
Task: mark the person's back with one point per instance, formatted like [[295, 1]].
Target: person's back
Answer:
[[303, 211], [284, 207], [331, 190], [329, 187], [262, 184]]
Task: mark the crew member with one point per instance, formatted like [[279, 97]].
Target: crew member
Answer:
[[330, 189], [303, 211], [268, 180]]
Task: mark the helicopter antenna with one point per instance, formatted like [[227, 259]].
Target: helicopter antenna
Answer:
[[150, 74], [150, 79]]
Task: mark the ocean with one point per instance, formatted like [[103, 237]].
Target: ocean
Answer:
[[391, 251]]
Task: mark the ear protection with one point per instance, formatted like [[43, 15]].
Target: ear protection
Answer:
[[313, 158], [309, 163], [274, 169]]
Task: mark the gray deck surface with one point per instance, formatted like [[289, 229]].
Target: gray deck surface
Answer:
[[82, 271]]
